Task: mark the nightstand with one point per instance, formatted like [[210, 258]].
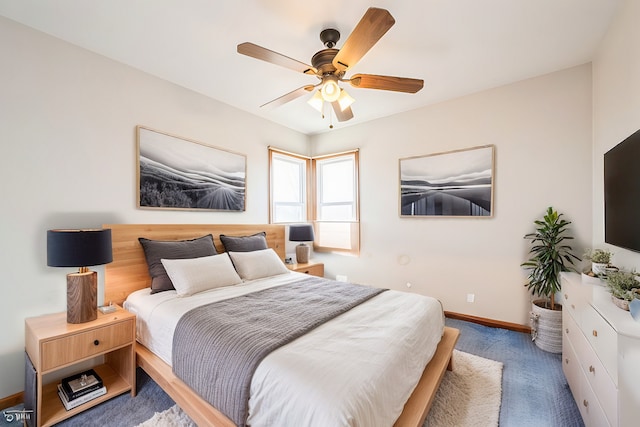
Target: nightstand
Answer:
[[55, 346], [312, 268]]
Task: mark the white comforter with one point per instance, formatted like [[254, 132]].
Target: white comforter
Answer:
[[355, 370]]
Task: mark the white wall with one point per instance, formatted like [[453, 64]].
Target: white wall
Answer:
[[616, 112], [541, 129], [67, 159]]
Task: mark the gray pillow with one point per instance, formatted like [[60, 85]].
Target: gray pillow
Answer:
[[156, 250], [255, 242]]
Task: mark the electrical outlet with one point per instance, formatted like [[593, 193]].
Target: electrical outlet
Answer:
[[341, 278], [471, 297]]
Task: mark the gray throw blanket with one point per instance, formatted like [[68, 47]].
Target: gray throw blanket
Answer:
[[217, 347]]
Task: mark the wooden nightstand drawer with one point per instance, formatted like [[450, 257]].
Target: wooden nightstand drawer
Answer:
[[312, 268], [68, 349]]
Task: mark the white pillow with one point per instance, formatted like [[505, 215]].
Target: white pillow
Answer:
[[193, 275], [258, 264]]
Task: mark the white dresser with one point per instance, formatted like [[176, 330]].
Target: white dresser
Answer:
[[600, 354]]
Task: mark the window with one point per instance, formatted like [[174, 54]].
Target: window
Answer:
[[336, 207], [322, 190], [288, 188]]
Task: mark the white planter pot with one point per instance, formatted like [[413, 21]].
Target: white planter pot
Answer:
[[599, 268], [546, 328]]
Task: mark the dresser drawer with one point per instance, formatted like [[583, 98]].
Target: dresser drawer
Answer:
[[592, 413], [603, 338], [602, 385], [575, 299], [596, 382], [570, 362], [71, 348]]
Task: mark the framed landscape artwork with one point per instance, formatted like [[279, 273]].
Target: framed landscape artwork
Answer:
[[452, 184], [177, 173]]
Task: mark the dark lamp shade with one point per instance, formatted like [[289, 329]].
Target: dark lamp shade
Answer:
[[78, 248], [301, 233]]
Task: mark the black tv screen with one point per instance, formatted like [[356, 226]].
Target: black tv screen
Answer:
[[622, 194]]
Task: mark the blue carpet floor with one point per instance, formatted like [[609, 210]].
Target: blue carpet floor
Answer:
[[534, 390]]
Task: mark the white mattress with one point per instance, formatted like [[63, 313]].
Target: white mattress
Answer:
[[355, 370]]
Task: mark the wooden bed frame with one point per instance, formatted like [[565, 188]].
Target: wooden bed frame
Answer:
[[128, 272]]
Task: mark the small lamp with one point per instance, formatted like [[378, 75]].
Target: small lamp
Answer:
[[80, 248], [301, 233]]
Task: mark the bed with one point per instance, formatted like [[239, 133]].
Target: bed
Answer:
[[127, 277]]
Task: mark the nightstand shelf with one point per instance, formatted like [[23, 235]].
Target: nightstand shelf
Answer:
[[54, 412], [312, 268], [56, 347]]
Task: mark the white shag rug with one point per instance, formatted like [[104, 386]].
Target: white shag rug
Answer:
[[172, 417], [470, 395]]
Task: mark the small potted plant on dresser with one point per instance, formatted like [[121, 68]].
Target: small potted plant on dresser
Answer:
[[550, 255], [623, 287], [600, 260]]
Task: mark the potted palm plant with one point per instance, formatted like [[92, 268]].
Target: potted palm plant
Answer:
[[550, 255]]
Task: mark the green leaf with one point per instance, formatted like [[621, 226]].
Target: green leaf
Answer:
[[549, 256]]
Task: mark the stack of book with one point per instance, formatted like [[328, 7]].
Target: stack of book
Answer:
[[80, 388]]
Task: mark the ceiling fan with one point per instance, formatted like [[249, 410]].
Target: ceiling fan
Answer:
[[330, 66]]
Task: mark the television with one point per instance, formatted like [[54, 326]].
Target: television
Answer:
[[622, 194]]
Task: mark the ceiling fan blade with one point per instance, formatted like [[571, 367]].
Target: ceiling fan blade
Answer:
[[289, 96], [373, 25], [259, 52], [397, 84], [342, 115]]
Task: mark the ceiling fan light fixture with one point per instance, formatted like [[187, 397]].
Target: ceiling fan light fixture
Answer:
[[345, 100], [316, 101], [330, 89]]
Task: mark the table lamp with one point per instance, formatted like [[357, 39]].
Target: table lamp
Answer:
[[301, 233], [80, 248]]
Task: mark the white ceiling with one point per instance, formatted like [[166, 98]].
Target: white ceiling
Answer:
[[457, 46]]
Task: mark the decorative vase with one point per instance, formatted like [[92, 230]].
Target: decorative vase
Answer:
[[634, 308], [546, 327], [598, 268]]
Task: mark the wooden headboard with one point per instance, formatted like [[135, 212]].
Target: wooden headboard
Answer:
[[128, 272]]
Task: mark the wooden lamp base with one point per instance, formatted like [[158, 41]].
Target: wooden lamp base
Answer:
[[302, 253], [82, 297]]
